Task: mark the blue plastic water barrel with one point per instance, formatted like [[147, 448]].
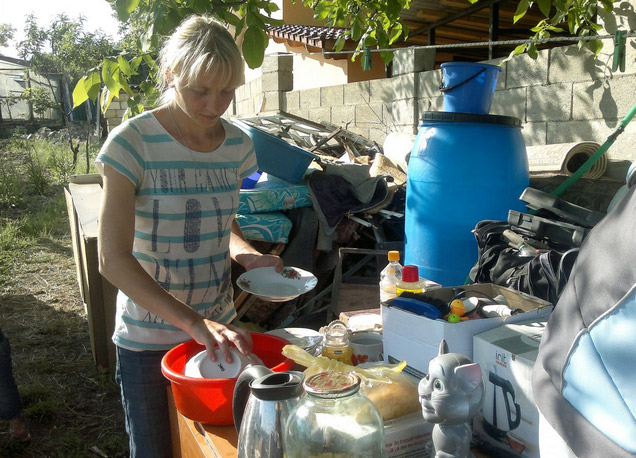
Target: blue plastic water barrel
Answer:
[[464, 168]]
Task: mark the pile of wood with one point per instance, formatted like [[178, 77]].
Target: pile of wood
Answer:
[[326, 140]]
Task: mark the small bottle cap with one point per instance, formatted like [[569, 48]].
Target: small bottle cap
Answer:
[[410, 274], [394, 255]]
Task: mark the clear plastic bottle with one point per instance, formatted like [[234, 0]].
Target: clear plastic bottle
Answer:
[[410, 281], [389, 276], [334, 420]]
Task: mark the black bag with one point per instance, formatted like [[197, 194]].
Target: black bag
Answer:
[[535, 266]]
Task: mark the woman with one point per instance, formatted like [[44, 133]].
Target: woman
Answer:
[[167, 231], [10, 399]]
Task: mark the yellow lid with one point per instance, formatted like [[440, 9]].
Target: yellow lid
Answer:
[[394, 255]]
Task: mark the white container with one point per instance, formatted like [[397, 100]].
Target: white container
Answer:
[[415, 339], [509, 418], [407, 436]]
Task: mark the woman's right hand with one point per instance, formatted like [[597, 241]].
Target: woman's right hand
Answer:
[[212, 334]]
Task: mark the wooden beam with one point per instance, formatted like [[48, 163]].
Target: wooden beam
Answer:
[[466, 12], [506, 10], [431, 15], [464, 23]]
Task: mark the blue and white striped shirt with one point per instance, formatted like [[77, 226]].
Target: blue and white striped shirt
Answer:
[[184, 207]]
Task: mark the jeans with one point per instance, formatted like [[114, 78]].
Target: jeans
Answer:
[[145, 401], [10, 401]]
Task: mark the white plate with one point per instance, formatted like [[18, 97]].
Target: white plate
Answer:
[[302, 337], [201, 366], [272, 286]]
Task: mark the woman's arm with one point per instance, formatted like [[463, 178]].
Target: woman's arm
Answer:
[[119, 266], [246, 255]]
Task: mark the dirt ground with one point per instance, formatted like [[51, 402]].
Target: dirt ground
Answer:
[[72, 409]]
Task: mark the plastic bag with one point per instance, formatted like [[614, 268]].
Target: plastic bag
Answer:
[[393, 392]]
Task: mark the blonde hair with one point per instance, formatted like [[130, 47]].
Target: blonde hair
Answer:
[[198, 46]]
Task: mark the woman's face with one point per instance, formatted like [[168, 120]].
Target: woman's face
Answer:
[[203, 100]]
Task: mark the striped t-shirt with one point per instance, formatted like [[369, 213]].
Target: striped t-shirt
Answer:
[[184, 207]]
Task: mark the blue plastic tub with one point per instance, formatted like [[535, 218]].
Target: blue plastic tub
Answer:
[[250, 181], [468, 87], [464, 168], [275, 156]]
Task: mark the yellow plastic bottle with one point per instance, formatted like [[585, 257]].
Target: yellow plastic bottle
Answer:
[[410, 282]]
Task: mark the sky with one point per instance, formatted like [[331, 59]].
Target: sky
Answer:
[[98, 14]]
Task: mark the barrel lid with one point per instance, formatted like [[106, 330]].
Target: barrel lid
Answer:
[[470, 117]]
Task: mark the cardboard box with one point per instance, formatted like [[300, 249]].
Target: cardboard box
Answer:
[[416, 339], [509, 418], [83, 197], [407, 436]]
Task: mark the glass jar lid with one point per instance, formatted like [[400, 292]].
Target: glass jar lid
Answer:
[[337, 334], [331, 383]]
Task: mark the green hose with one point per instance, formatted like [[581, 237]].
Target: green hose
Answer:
[[596, 156]]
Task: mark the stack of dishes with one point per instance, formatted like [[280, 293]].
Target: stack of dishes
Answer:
[[201, 366]]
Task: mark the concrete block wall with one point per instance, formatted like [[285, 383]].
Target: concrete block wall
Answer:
[[116, 110], [565, 95]]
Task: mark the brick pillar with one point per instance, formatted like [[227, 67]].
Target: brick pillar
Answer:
[[276, 80]]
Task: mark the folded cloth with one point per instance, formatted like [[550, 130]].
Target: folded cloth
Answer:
[[273, 194], [268, 227]]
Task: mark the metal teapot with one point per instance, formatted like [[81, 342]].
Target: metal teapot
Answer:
[[261, 404]]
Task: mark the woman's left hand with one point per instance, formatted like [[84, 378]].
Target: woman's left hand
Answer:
[[252, 261]]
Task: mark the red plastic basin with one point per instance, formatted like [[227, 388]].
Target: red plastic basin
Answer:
[[209, 401]]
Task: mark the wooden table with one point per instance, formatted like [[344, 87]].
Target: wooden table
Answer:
[[193, 440]]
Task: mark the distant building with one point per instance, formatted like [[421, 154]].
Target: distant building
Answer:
[[15, 78]]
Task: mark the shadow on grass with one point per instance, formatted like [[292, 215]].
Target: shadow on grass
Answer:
[[69, 405]]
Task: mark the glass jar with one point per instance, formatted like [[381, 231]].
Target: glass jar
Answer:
[[334, 420], [336, 342]]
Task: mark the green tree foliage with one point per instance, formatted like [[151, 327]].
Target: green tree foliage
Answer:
[[7, 32], [40, 98], [63, 47], [8, 102], [579, 17], [370, 23]]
